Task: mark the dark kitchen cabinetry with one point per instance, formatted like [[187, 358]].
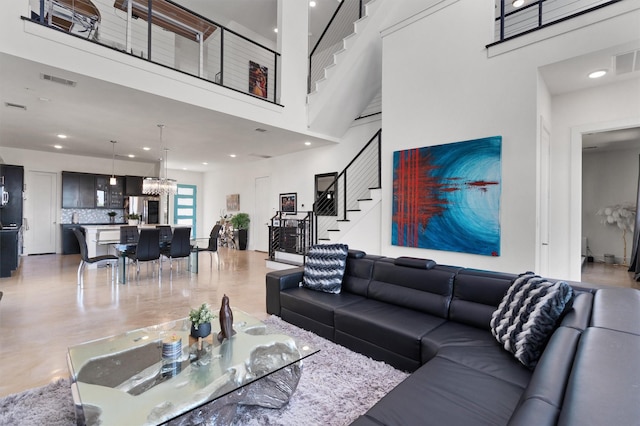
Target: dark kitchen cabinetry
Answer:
[[78, 190], [109, 196], [13, 177], [70, 243], [87, 191], [10, 253], [133, 185]]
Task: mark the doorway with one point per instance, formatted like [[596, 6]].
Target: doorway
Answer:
[[576, 208], [41, 206]]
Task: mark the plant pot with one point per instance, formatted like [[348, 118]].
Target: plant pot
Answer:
[[133, 222], [112, 219], [242, 239], [203, 330]]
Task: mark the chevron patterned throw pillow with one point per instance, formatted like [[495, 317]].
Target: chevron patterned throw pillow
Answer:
[[324, 268], [528, 314]]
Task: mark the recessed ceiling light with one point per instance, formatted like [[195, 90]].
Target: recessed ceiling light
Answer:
[[61, 136], [205, 163], [275, 30], [312, 3], [598, 74], [307, 143], [517, 3], [184, 168], [232, 155], [57, 146], [146, 148], [131, 156]]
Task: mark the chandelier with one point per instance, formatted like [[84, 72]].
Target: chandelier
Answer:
[[161, 185]]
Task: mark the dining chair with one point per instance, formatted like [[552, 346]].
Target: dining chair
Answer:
[[129, 234], [213, 245], [180, 245], [165, 233], [147, 249], [84, 257]]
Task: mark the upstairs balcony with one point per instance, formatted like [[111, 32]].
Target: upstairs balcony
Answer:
[[167, 33]]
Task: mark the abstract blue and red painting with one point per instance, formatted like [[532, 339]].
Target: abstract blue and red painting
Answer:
[[447, 197]]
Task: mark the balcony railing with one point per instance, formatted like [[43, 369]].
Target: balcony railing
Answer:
[[168, 34], [512, 21]]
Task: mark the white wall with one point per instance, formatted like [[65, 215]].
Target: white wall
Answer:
[[460, 91], [608, 178], [289, 173]]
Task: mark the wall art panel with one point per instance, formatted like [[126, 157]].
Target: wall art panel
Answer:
[[447, 197]]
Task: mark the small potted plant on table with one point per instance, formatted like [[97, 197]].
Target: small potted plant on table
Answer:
[[201, 321], [112, 216], [133, 219]]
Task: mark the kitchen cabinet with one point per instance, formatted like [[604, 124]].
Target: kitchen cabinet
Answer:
[[11, 214], [78, 190], [109, 196], [10, 245], [70, 243], [133, 185]]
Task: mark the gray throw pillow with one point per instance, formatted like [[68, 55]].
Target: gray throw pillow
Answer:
[[528, 315], [324, 267]]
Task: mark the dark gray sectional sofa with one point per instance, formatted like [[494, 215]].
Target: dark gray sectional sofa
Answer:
[[433, 321]]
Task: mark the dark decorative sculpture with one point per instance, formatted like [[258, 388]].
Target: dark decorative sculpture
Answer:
[[226, 320]]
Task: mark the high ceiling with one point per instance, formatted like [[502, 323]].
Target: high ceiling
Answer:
[[94, 112]]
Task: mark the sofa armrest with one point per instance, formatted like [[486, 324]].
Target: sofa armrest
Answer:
[[277, 281]]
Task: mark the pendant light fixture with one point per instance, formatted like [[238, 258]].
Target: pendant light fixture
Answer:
[[161, 185], [113, 180]]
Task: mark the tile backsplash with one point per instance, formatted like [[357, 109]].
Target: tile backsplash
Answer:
[[87, 216]]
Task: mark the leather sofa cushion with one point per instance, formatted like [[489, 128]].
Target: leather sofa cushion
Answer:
[[391, 327], [425, 290], [604, 384], [444, 392], [316, 305], [490, 360], [357, 274], [455, 334], [578, 314], [549, 379], [624, 317], [476, 296]]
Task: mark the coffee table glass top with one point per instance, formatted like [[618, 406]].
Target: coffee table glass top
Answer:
[[154, 374]]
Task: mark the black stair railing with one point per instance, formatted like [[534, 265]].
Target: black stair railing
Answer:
[[290, 234], [351, 186]]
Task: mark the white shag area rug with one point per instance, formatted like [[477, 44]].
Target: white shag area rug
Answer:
[[337, 386]]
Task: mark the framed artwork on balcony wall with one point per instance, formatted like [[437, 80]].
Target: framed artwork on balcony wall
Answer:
[[233, 202], [289, 203], [447, 197], [258, 76]]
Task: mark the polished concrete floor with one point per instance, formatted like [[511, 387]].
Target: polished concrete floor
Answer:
[[43, 311]]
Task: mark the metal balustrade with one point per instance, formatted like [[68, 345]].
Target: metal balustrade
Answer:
[[514, 21], [351, 186], [168, 34]]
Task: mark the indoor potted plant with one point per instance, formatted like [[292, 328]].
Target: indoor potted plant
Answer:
[[133, 218], [112, 216], [201, 320], [240, 222]]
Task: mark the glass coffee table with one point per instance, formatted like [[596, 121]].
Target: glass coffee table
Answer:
[[161, 374]]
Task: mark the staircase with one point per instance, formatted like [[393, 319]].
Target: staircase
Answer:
[[351, 197], [354, 77]]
